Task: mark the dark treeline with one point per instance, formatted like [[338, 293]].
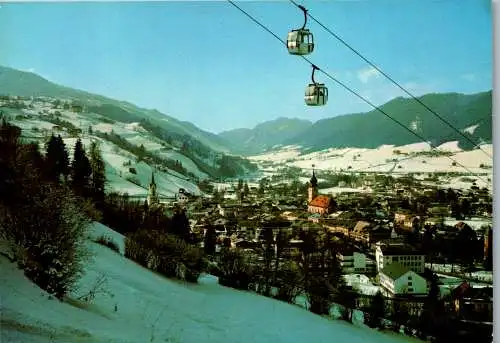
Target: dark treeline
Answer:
[[48, 200], [46, 205]]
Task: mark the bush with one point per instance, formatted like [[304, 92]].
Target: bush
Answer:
[[288, 282], [108, 242], [194, 262], [136, 248], [165, 253], [46, 232], [235, 270]]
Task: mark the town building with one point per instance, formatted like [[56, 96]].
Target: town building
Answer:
[[388, 253], [399, 280], [352, 261], [321, 204]]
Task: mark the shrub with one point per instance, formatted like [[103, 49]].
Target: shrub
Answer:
[[46, 232], [165, 253], [235, 270], [137, 247], [108, 242], [288, 282], [194, 262]]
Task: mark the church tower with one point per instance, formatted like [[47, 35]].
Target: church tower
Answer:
[[153, 195], [313, 188]]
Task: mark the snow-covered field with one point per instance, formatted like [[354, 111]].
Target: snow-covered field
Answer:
[[484, 276], [137, 305], [381, 159], [117, 174], [474, 223]]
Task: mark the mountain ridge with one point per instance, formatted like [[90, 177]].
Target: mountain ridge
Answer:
[[372, 129], [206, 150], [14, 82], [362, 130]]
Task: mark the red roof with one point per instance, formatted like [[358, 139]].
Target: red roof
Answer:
[[322, 201]]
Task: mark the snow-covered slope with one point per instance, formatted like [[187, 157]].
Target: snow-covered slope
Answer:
[[36, 128], [413, 158], [137, 305], [384, 158]]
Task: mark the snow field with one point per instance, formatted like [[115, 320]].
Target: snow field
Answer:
[[151, 308]]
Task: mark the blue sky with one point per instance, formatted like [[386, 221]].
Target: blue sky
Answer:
[[207, 63]]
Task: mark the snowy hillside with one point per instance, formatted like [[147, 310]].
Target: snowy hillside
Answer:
[[37, 126], [134, 304], [412, 158]]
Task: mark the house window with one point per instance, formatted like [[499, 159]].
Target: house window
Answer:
[[410, 289], [409, 277], [409, 283]]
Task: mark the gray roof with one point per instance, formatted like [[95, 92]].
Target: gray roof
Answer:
[[404, 249], [395, 270]]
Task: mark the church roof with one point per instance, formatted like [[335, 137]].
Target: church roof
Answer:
[[322, 201]]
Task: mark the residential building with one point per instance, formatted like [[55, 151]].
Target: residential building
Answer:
[[399, 280], [404, 254], [353, 261], [473, 303], [369, 233], [334, 227]]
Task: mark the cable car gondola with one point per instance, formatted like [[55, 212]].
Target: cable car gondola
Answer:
[[300, 41], [316, 93]]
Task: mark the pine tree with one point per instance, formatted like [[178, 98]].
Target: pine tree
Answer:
[[347, 298], [180, 224], [246, 190], [281, 242], [98, 176], [431, 319], [80, 170], [320, 269], [400, 314], [56, 159], [9, 150], [210, 240], [376, 312], [268, 253]]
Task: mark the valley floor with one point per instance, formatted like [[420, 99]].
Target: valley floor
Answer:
[[137, 305]]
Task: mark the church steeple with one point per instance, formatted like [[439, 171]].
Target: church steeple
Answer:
[[153, 195], [314, 181], [313, 187]]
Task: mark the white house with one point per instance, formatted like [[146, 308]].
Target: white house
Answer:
[[397, 280], [353, 261], [182, 196], [404, 254]]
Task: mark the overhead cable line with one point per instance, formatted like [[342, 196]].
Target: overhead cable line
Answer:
[[393, 81], [350, 90]]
